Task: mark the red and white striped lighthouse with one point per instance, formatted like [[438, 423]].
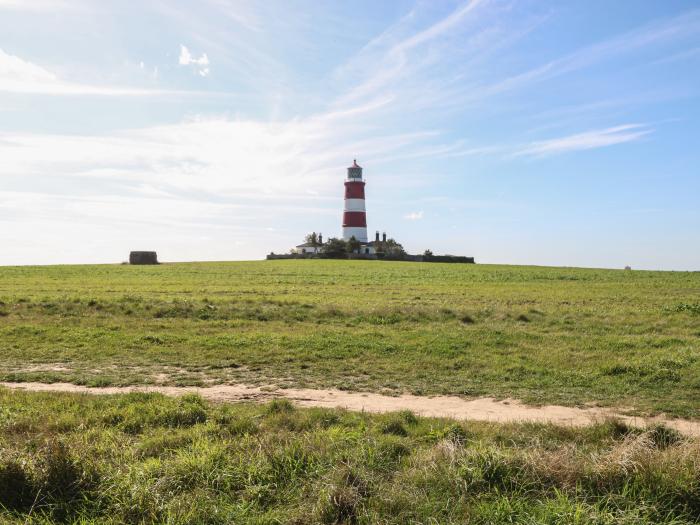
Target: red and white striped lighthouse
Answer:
[[354, 213]]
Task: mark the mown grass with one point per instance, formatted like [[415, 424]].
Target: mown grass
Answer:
[[544, 335], [145, 458]]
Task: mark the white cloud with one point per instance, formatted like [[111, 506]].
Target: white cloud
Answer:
[[186, 59], [21, 76], [229, 179], [17, 74], [585, 141], [414, 216], [215, 154]]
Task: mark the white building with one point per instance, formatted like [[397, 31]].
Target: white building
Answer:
[[310, 247], [307, 247]]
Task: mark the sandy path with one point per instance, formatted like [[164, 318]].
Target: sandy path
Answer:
[[481, 409]]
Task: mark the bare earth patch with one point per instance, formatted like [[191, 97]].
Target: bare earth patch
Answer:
[[481, 409]]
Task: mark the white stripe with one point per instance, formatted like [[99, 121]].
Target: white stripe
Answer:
[[358, 232], [354, 204]]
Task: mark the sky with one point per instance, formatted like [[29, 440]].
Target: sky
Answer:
[[515, 131]]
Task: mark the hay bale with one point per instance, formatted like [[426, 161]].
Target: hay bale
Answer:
[[143, 258]]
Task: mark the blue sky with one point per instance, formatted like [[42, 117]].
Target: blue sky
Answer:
[[520, 132]]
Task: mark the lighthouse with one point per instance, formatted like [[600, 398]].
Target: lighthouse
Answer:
[[354, 213]]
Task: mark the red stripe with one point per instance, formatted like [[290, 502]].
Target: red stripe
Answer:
[[354, 190], [354, 218]]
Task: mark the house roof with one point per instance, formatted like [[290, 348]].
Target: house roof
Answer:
[[308, 245]]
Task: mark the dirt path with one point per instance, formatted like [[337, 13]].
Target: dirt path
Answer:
[[481, 409]]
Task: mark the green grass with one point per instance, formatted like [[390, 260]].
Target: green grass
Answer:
[[544, 335], [145, 458]]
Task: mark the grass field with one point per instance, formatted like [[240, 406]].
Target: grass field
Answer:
[[150, 459], [629, 339]]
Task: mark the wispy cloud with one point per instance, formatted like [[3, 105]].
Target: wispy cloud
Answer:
[[414, 216], [436, 29], [657, 33], [217, 158], [392, 61], [686, 54], [241, 14], [21, 76], [34, 5], [585, 141]]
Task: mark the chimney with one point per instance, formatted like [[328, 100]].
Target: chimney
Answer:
[[320, 238], [384, 237], [376, 236]]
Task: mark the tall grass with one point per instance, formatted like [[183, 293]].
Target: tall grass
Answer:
[[151, 459]]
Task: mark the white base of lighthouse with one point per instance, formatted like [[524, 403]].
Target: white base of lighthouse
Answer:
[[355, 231]]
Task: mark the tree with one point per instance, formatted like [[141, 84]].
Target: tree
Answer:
[[335, 248], [427, 253], [392, 248], [353, 245], [311, 238]]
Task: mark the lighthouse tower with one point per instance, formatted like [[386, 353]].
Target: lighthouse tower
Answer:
[[354, 214]]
